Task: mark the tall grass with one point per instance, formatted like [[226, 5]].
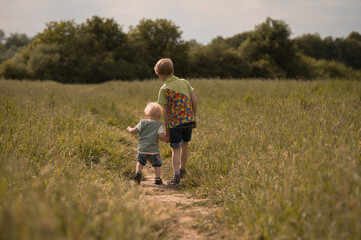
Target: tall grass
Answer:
[[65, 165], [281, 158]]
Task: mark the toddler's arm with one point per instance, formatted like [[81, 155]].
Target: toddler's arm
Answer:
[[163, 138], [132, 130]]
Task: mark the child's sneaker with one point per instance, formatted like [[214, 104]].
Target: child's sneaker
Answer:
[[182, 172], [158, 181], [138, 177]]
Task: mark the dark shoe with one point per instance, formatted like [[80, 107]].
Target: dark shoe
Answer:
[[158, 181], [138, 177], [175, 180], [182, 173]]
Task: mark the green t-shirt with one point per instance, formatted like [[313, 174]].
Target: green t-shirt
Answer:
[[176, 93]]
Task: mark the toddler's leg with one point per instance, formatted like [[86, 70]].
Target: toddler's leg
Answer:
[[139, 167], [157, 179], [138, 173], [157, 172]]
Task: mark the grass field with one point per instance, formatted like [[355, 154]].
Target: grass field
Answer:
[[282, 160]]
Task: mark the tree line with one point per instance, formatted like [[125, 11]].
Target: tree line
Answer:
[[99, 50]]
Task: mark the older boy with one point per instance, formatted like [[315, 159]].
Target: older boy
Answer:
[[180, 104], [150, 130]]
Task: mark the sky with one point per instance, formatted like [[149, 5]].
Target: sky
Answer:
[[201, 20]]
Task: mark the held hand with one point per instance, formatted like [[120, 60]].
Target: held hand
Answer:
[[128, 128], [167, 138], [167, 135]]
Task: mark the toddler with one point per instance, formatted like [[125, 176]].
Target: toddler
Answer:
[[150, 130]]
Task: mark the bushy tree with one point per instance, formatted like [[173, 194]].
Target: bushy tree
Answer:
[[12, 44], [269, 46], [162, 38], [44, 61], [347, 51], [101, 44], [311, 45], [218, 60], [14, 68], [350, 50], [91, 52], [62, 32], [237, 40], [354, 36], [57, 44], [17, 40]]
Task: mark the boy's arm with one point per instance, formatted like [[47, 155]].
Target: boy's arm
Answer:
[[166, 121], [194, 107], [132, 130]]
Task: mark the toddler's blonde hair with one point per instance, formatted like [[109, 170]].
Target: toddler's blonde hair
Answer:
[[164, 67], [154, 110]]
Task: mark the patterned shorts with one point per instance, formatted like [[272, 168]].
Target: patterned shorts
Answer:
[[154, 159]]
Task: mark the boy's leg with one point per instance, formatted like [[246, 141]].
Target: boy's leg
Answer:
[[186, 137], [176, 138], [176, 159], [176, 163], [184, 155]]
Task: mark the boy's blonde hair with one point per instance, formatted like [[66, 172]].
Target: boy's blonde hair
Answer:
[[154, 110], [164, 67]]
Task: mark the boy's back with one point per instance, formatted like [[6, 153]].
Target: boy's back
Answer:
[[176, 93]]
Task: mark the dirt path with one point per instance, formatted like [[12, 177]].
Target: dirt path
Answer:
[[188, 210]]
